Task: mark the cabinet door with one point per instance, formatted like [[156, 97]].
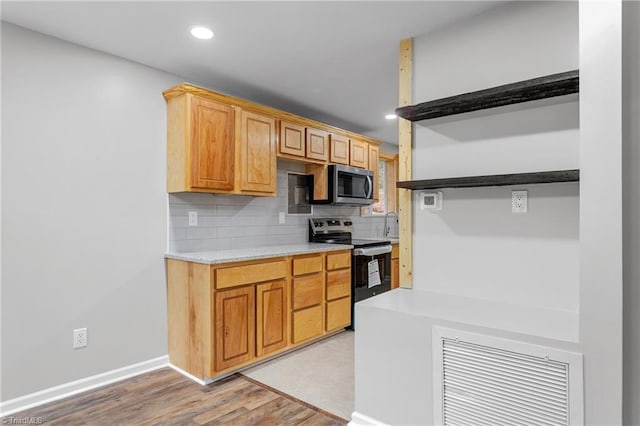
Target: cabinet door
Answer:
[[317, 144], [272, 318], [292, 139], [359, 153], [212, 144], [339, 149], [307, 323], [257, 153], [374, 152], [235, 327], [395, 273], [338, 314]]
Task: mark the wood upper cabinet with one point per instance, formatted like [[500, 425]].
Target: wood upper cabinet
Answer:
[[257, 153], [339, 149], [234, 327], [317, 144], [271, 317], [212, 145], [292, 139], [359, 153], [200, 145], [374, 153]]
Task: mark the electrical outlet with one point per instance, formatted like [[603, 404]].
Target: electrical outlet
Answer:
[[79, 338], [193, 218], [281, 218], [519, 201]]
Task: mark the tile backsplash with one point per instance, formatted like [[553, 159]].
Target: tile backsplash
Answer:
[[239, 221]]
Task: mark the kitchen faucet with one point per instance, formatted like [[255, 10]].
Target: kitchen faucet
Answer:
[[386, 227]]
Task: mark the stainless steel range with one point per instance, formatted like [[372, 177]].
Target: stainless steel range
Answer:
[[370, 259]]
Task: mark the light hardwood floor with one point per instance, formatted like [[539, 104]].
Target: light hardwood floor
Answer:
[[164, 397]]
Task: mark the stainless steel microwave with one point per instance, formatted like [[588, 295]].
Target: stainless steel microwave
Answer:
[[349, 186]]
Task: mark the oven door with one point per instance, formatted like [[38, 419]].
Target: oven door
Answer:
[[366, 281]]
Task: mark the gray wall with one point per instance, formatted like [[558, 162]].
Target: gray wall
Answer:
[[631, 205], [84, 213], [476, 246]]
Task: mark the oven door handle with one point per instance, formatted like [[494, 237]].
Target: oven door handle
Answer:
[[372, 251]]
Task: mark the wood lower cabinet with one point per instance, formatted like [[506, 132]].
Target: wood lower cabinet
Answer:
[[226, 316], [234, 327], [338, 291], [338, 314], [307, 324], [307, 287], [271, 317], [395, 266]]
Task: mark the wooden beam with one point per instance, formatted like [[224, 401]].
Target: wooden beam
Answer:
[[404, 142]]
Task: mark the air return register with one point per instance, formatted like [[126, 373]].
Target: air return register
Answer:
[[482, 380]]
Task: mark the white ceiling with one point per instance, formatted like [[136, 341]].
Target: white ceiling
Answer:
[[332, 61]]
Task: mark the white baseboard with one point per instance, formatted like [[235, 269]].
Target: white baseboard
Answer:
[[72, 388], [358, 419], [189, 376]]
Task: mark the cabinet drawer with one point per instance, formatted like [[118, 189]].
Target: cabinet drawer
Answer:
[[307, 265], [307, 291], [251, 273], [395, 251], [338, 260], [307, 324], [338, 313], [338, 284]]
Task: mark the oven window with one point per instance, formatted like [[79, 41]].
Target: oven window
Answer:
[[361, 287]]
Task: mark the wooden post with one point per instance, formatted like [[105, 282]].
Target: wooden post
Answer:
[[404, 142]]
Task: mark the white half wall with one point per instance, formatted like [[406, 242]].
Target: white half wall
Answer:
[[601, 209], [631, 208], [476, 246], [84, 212]]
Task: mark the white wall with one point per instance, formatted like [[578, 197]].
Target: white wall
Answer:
[[84, 211], [631, 208], [475, 246], [601, 209]]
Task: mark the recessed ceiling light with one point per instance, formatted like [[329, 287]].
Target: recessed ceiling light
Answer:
[[390, 116], [203, 33]]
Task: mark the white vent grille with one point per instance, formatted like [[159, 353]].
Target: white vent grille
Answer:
[[485, 385]]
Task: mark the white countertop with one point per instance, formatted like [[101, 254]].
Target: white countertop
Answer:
[[547, 323], [237, 255]]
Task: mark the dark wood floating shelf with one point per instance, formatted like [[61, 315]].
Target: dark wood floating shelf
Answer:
[[549, 86], [493, 180]]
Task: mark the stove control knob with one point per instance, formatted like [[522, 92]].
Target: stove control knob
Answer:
[[348, 223]]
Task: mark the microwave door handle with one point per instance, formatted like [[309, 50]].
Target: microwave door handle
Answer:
[[370, 185]]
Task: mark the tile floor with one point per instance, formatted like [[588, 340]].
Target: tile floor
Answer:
[[320, 374]]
